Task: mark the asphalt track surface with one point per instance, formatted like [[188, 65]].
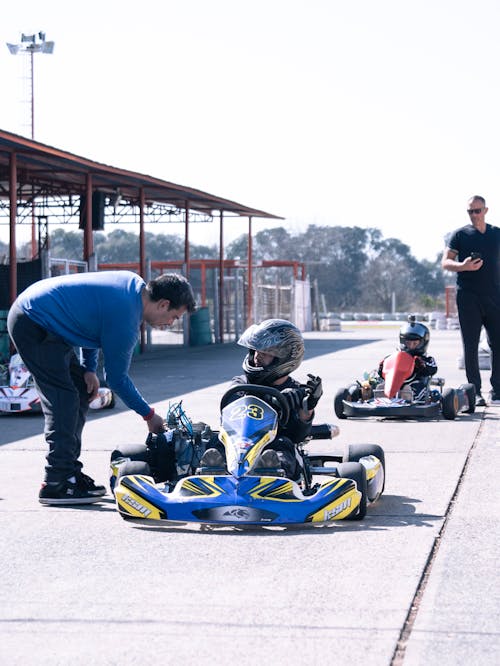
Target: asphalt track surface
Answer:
[[416, 582]]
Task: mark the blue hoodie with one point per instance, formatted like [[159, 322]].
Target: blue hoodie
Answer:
[[101, 310]]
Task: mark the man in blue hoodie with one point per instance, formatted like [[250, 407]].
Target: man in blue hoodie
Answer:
[[101, 310]]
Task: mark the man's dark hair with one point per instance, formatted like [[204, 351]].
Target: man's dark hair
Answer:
[[478, 197], [174, 288]]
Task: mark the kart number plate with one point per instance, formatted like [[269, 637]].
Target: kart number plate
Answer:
[[8, 406]]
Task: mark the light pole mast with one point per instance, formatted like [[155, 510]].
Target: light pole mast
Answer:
[[31, 44]]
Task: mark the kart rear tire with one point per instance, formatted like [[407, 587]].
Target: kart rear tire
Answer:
[[132, 451], [354, 452], [449, 404], [356, 472], [470, 392], [338, 406], [133, 467]]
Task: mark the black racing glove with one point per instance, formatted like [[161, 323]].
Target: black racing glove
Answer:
[[295, 398], [419, 363], [314, 391]]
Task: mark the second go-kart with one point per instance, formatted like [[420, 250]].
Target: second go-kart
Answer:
[[163, 480], [391, 397], [20, 394]]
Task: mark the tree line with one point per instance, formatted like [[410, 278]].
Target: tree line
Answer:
[[354, 268]]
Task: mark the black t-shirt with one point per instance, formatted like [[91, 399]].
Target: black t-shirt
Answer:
[[467, 240]]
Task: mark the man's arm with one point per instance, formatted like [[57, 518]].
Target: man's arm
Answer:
[[450, 263]]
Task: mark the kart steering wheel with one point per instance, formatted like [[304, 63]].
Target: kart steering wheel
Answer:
[[269, 394]]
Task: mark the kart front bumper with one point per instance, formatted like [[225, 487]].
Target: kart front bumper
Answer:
[[226, 500], [392, 410]]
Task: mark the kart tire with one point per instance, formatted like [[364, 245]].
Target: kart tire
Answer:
[[449, 404], [133, 467], [356, 472], [132, 451], [342, 394], [354, 452], [470, 392]]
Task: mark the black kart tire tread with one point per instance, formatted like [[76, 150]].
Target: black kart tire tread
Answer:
[[449, 404], [354, 452], [132, 451], [356, 472], [133, 467], [338, 405], [470, 392]]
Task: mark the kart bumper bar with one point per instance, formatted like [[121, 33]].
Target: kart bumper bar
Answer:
[[431, 410]]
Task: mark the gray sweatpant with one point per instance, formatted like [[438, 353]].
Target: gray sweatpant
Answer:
[[59, 381]]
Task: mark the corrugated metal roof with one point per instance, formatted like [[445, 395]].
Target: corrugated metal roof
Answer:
[[55, 172]]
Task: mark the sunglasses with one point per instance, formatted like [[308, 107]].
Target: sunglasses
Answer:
[[474, 211]]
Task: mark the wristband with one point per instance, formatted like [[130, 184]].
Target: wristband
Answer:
[[150, 415]]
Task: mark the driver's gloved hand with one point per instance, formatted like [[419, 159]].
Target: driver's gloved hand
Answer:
[[314, 391], [295, 398]]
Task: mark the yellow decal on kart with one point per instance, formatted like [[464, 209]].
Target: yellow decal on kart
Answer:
[[203, 487], [341, 508], [135, 505], [272, 488]]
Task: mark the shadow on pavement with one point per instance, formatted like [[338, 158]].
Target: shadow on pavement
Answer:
[[390, 511], [172, 371]]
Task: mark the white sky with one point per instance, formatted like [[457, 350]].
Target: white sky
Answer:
[[381, 113]]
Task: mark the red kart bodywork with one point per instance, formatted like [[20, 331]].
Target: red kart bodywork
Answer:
[[395, 370]]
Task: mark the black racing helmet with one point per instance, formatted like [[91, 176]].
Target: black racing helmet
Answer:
[[414, 330], [277, 337]]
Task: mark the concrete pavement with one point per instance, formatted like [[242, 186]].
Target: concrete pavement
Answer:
[[414, 583]]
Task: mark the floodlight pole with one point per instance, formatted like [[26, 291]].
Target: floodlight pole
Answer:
[[30, 45], [32, 96]]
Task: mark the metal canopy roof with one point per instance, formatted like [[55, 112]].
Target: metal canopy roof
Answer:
[[51, 172]]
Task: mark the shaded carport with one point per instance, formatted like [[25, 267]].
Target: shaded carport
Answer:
[[66, 185]]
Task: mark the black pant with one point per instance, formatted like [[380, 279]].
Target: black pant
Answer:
[[59, 381], [474, 312]]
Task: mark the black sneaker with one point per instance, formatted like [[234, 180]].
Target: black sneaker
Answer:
[[480, 401], [494, 398], [86, 482], [65, 493]]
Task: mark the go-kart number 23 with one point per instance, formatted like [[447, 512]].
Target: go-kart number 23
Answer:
[[251, 411]]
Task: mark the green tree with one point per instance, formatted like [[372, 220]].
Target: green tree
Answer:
[[66, 244]]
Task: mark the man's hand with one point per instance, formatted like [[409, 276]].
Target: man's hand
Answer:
[[470, 264], [92, 383], [314, 391], [294, 397], [155, 424]]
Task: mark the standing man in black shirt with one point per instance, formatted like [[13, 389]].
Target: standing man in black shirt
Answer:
[[473, 253]]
